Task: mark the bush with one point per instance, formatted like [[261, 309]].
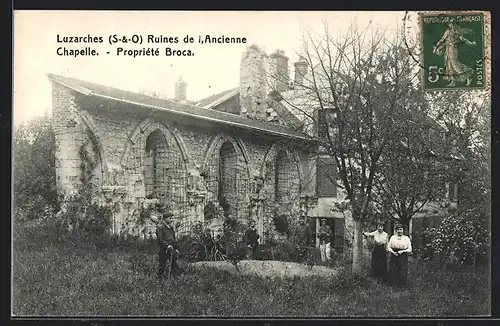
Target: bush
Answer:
[[84, 218], [281, 223], [79, 221], [199, 245], [232, 241], [460, 238], [286, 251], [265, 252], [210, 211], [34, 170]]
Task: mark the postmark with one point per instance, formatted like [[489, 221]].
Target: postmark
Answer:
[[453, 50]]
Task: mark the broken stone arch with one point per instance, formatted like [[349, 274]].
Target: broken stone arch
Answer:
[[227, 176], [156, 165], [91, 146], [271, 156], [282, 175], [148, 125], [89, 123]]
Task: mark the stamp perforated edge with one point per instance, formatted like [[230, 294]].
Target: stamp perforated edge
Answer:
[[486, 47]]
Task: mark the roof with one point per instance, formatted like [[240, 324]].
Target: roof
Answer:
[[213, 100], [110, 93], [281, 109]]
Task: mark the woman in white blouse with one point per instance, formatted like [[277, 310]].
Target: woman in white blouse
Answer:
[[379, 254], [399, 246]]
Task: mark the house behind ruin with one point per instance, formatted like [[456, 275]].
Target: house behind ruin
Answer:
[[244, 150]]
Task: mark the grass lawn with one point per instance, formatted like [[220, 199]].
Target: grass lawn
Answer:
[[70, 280]]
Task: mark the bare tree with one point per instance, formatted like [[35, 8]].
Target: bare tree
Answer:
[[356, 95]]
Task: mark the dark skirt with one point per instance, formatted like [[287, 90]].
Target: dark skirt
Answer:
[[398, 269], [379, 262]]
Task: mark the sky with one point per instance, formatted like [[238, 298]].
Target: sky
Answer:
[[213, 68]]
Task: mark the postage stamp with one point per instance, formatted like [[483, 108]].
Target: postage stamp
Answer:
[[454, 49]]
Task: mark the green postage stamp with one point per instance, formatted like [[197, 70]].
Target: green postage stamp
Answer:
[[454, 50]]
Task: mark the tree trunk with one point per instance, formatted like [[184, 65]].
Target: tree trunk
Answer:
[[358, 264]]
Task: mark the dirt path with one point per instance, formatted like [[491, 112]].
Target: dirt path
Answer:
[[270, 268]]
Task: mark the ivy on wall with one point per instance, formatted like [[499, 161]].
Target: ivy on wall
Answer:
[[89, 157]]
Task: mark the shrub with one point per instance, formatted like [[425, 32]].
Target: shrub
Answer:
[[210, 211], [460, 238], [199, 245], [83, 217], [285, 251], [281, 223], [37, 207], [34, 182], [232, 240], [265, 252]]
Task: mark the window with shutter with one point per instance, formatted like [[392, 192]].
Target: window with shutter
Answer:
[[326, 123]]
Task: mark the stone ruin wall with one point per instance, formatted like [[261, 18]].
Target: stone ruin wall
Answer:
[[115, 135]]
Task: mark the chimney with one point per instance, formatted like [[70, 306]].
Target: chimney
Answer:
[[180, 90], [280, 75], [254, 88], [300, 71]]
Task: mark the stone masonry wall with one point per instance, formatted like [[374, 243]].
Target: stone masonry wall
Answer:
[[121, 134], [254, 87], [72, 133]]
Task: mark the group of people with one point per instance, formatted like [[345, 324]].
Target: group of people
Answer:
[[398, 246]]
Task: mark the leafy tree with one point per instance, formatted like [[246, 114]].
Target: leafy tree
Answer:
[[34, 167], [464, 236], [467, 117]]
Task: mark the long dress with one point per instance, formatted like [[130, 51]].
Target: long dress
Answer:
[[454, 69], [379, 255], [398, 265], [379, 262]]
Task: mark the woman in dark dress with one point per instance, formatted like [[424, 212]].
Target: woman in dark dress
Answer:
[[379, 253], [399, 246]]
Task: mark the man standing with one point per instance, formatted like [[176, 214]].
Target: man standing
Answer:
[[325, 236], [252, 239], [165, 237], [303, 237]]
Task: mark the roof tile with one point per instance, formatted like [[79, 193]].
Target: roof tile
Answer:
[[93, 89]]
